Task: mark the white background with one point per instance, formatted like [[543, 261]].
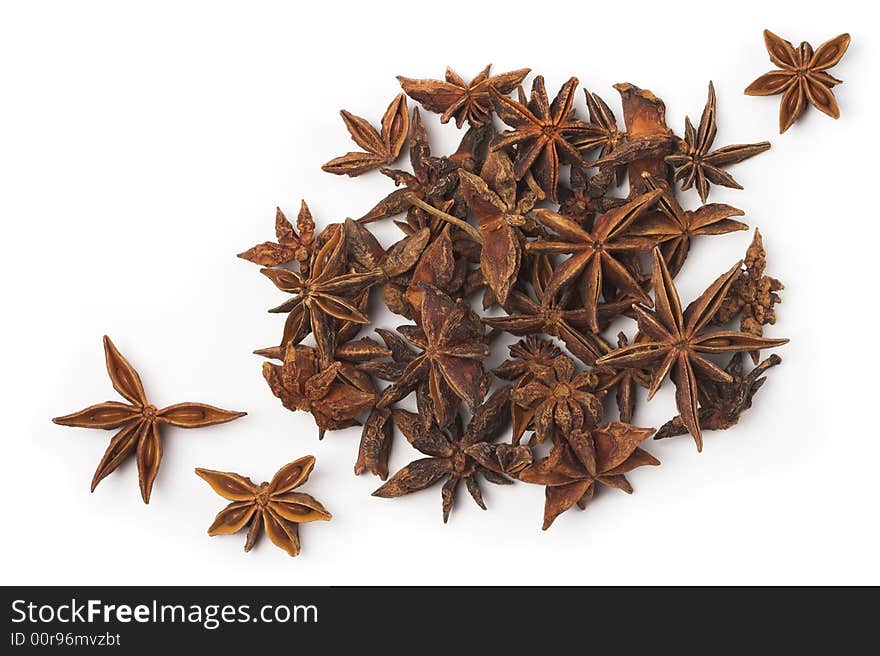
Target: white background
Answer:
[[145, 144]]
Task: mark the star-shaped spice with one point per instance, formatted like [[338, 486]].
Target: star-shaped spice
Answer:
[[290, 247], [543, 132], [558, 400], [585, 196], [381, 147], [675, 341], [320, 296], [336, 395], [272, 506], [574, 468], [455, 98], [595, 254], [803, 76], [721, 404], [697, 165], [624, 381], [674, 227], [752, 295], [138, 422], [447, 452]]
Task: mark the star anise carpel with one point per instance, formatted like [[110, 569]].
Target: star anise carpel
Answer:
[[272, 507], [463, 101], [696, 164], [677, 343], [138, 422], [802, 77]]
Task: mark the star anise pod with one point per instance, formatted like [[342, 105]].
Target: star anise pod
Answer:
[[752, 295], [447, 452], [721, 404], [574, 467], [463, 101], [381, 147], [321, 296], [585, 197], [697, 165], [674, 227], [803, 76], [559, 400], [272, 506], [606, 138], [335, 395], [595, 254], [543, 133], [676, 341], [623, 380], [290, 247], [452, 346], [138, 422]]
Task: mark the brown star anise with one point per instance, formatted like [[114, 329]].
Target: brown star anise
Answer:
[[624, 381], [139, 422], [803, 76], [721, 404], [455, 98], [335, 395], [594, 254], [585, 196], [448, 452], [574, 467], [675, 341], [752, 295], [543, 133], [674, 227], [694, 164], [381, 148], [271, 506], [290, 247]]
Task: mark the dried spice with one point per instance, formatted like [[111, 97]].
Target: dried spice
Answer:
[[803, 77], [623, 380], [138, 421], [290, 247], [272, 507]]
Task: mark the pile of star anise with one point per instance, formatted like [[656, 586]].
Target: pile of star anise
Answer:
[[556, 222]]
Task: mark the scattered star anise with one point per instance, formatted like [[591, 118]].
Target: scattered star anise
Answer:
[[803, 77], [138, 422], [272, 507], [697, 165], [455, 98]]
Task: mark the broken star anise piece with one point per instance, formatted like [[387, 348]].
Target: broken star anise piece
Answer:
[[138, 422], [272, 507], [573, 469], [290, 247], [803, 77], [697, 165], [676, 342], [721, 404], [447, 452], [381, 147], [463, 101]]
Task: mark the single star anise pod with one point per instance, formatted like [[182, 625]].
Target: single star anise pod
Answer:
[[752, 295], [500, 213], [290, 247], [803, 77], [595, 254], [452, 343], [559, 400], [606, 138], [674, 227], [585, 197], [447, 452], [697, 165], [721, 404], [321, 296], [676, 341], [272, 506], [335, 395], [139, 422], [624, 381], [381, 147], [543, 133], [574, 467], [455, 98]]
